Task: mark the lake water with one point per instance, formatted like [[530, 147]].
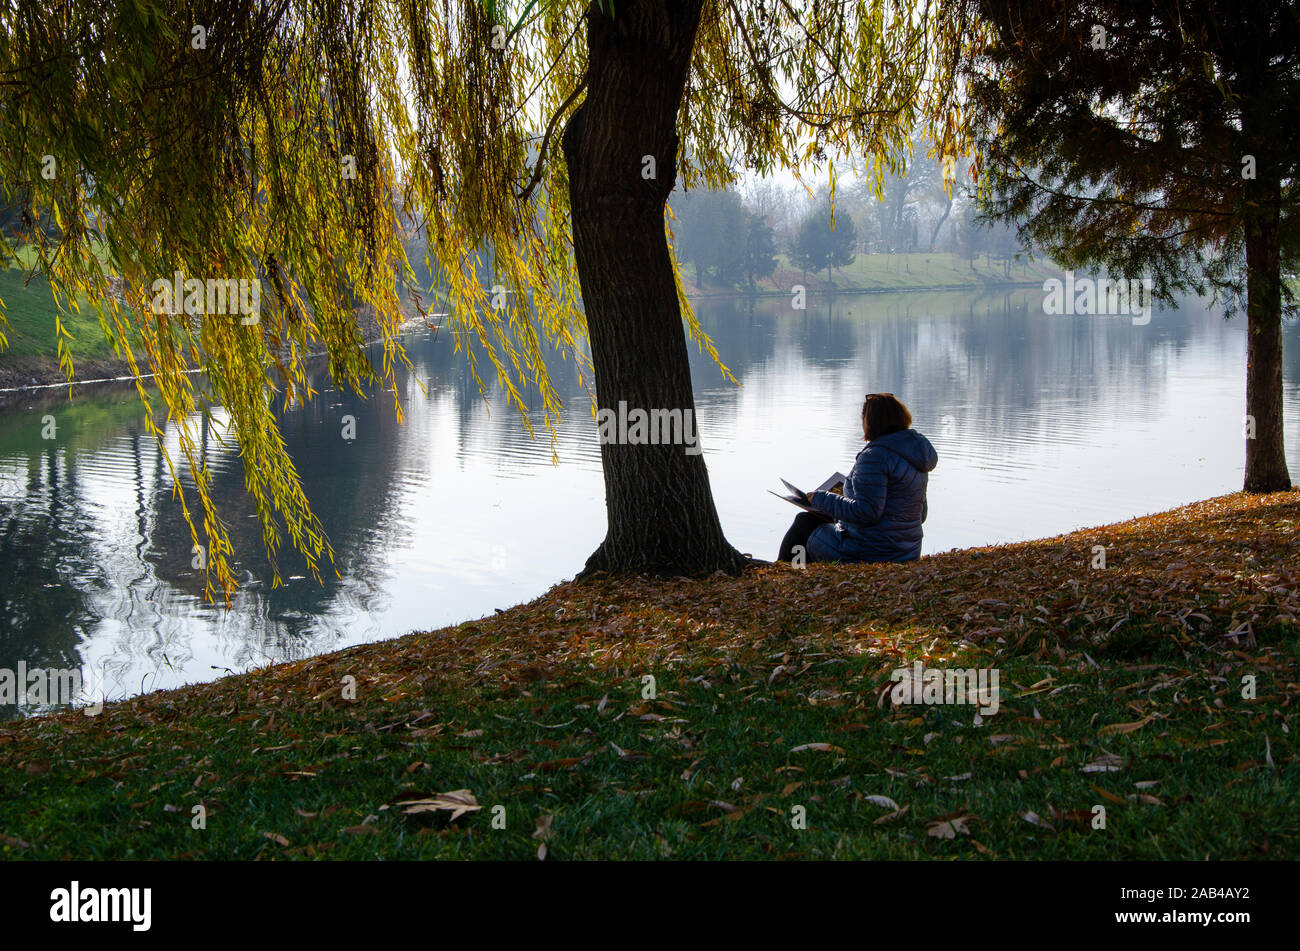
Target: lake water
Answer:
[[1042, 423]]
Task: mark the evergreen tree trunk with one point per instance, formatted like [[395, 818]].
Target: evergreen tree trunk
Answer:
[[1266, 469], [657, 497]]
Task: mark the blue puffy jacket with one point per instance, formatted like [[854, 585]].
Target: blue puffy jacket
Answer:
[[880, 514]]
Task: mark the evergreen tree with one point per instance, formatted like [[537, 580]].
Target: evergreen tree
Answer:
[[1155, 141], [760, 249], [819, 245]]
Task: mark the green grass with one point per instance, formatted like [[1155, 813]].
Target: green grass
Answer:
[[933, 270], [542, 710], [892, 272], [29, 311], [346, 769]]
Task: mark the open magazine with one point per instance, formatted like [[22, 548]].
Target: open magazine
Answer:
[[797, 497]]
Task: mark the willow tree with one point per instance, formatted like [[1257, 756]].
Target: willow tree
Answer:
[[271, 140]]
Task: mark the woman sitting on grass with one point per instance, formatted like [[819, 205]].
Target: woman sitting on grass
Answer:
[[879, 516]]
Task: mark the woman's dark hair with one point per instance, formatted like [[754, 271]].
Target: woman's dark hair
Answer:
[[884, 413]]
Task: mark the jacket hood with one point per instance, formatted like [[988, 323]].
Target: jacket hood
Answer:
[[912, 446]]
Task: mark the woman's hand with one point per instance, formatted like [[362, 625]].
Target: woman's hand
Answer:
[[808, 497]]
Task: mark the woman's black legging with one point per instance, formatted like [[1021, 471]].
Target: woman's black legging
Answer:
[[803, 526]]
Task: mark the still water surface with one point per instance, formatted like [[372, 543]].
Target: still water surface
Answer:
[[1042, 423]]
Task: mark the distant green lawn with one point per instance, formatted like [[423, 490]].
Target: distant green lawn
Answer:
[[29, 311], [918, 271]]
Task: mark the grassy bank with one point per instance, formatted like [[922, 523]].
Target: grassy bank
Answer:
[[32, 355], [889, 272], [30, 313], [1121, 687]]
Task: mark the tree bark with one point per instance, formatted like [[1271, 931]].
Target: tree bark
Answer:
[[1266, 469], [935, 233], [661, 514]]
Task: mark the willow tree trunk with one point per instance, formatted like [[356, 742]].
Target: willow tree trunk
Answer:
[[1266, 469], [620, 146]]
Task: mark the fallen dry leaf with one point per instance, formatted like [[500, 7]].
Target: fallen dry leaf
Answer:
[[566, 762], [947, 827], [732, 813], [1114, 729], [1106, 763], [1104, 794], [1034, 819], [457, 802], [543, 830], [891, 816], [818, 747], [1146, 798]]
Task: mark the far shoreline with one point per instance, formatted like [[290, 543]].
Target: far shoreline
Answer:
[[44, 373], [694, 294]]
